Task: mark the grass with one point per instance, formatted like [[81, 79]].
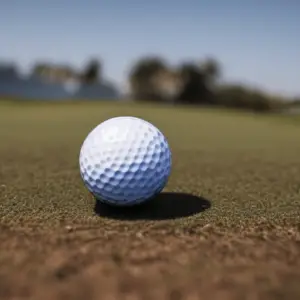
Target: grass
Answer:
[[242, 169]]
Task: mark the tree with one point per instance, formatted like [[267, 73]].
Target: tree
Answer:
[[91, 72], [194, 86], [142, 78], [53, 72], [211, 69]]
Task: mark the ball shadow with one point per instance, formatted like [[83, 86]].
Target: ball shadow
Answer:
[[163, 207]]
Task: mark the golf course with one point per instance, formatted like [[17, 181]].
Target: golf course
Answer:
[[226, 226]]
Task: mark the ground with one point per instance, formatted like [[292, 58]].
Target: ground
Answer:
[[225, 227]]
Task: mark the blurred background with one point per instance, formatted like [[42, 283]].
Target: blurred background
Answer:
[[215, 53]]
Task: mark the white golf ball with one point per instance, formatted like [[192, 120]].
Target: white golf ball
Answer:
[[125, 161]]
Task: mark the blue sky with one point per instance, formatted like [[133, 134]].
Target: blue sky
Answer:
[[257, 42]]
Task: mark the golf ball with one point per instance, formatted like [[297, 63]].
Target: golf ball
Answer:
[[125, 161]]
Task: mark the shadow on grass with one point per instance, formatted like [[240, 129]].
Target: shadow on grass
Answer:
[[163, 207]]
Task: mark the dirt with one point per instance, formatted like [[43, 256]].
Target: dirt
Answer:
[[109, 263]]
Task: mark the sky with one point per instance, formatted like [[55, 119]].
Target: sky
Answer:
[[256, 42]]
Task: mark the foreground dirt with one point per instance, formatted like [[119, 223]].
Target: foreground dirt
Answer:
[[111, 263]]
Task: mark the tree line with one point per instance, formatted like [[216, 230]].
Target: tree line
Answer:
[[152, 79]]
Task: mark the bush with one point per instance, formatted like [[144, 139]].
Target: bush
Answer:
[[237, 96]]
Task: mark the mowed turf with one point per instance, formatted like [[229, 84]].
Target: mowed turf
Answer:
[[225, 227]]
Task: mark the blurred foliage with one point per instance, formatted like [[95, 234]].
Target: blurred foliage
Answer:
[[196, 83], [296, 102], [142, 78], [195, 88], [240, 97], [92, 72], [152, 78], [53, 72], [212, 70]]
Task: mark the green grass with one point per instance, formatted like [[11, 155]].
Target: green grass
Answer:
[[246, 165]]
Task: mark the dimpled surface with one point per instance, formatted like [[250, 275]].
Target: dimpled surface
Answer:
[[125, 161]]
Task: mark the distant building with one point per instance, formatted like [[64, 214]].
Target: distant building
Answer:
[[96, 91], [8, 72], [51, 82]]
